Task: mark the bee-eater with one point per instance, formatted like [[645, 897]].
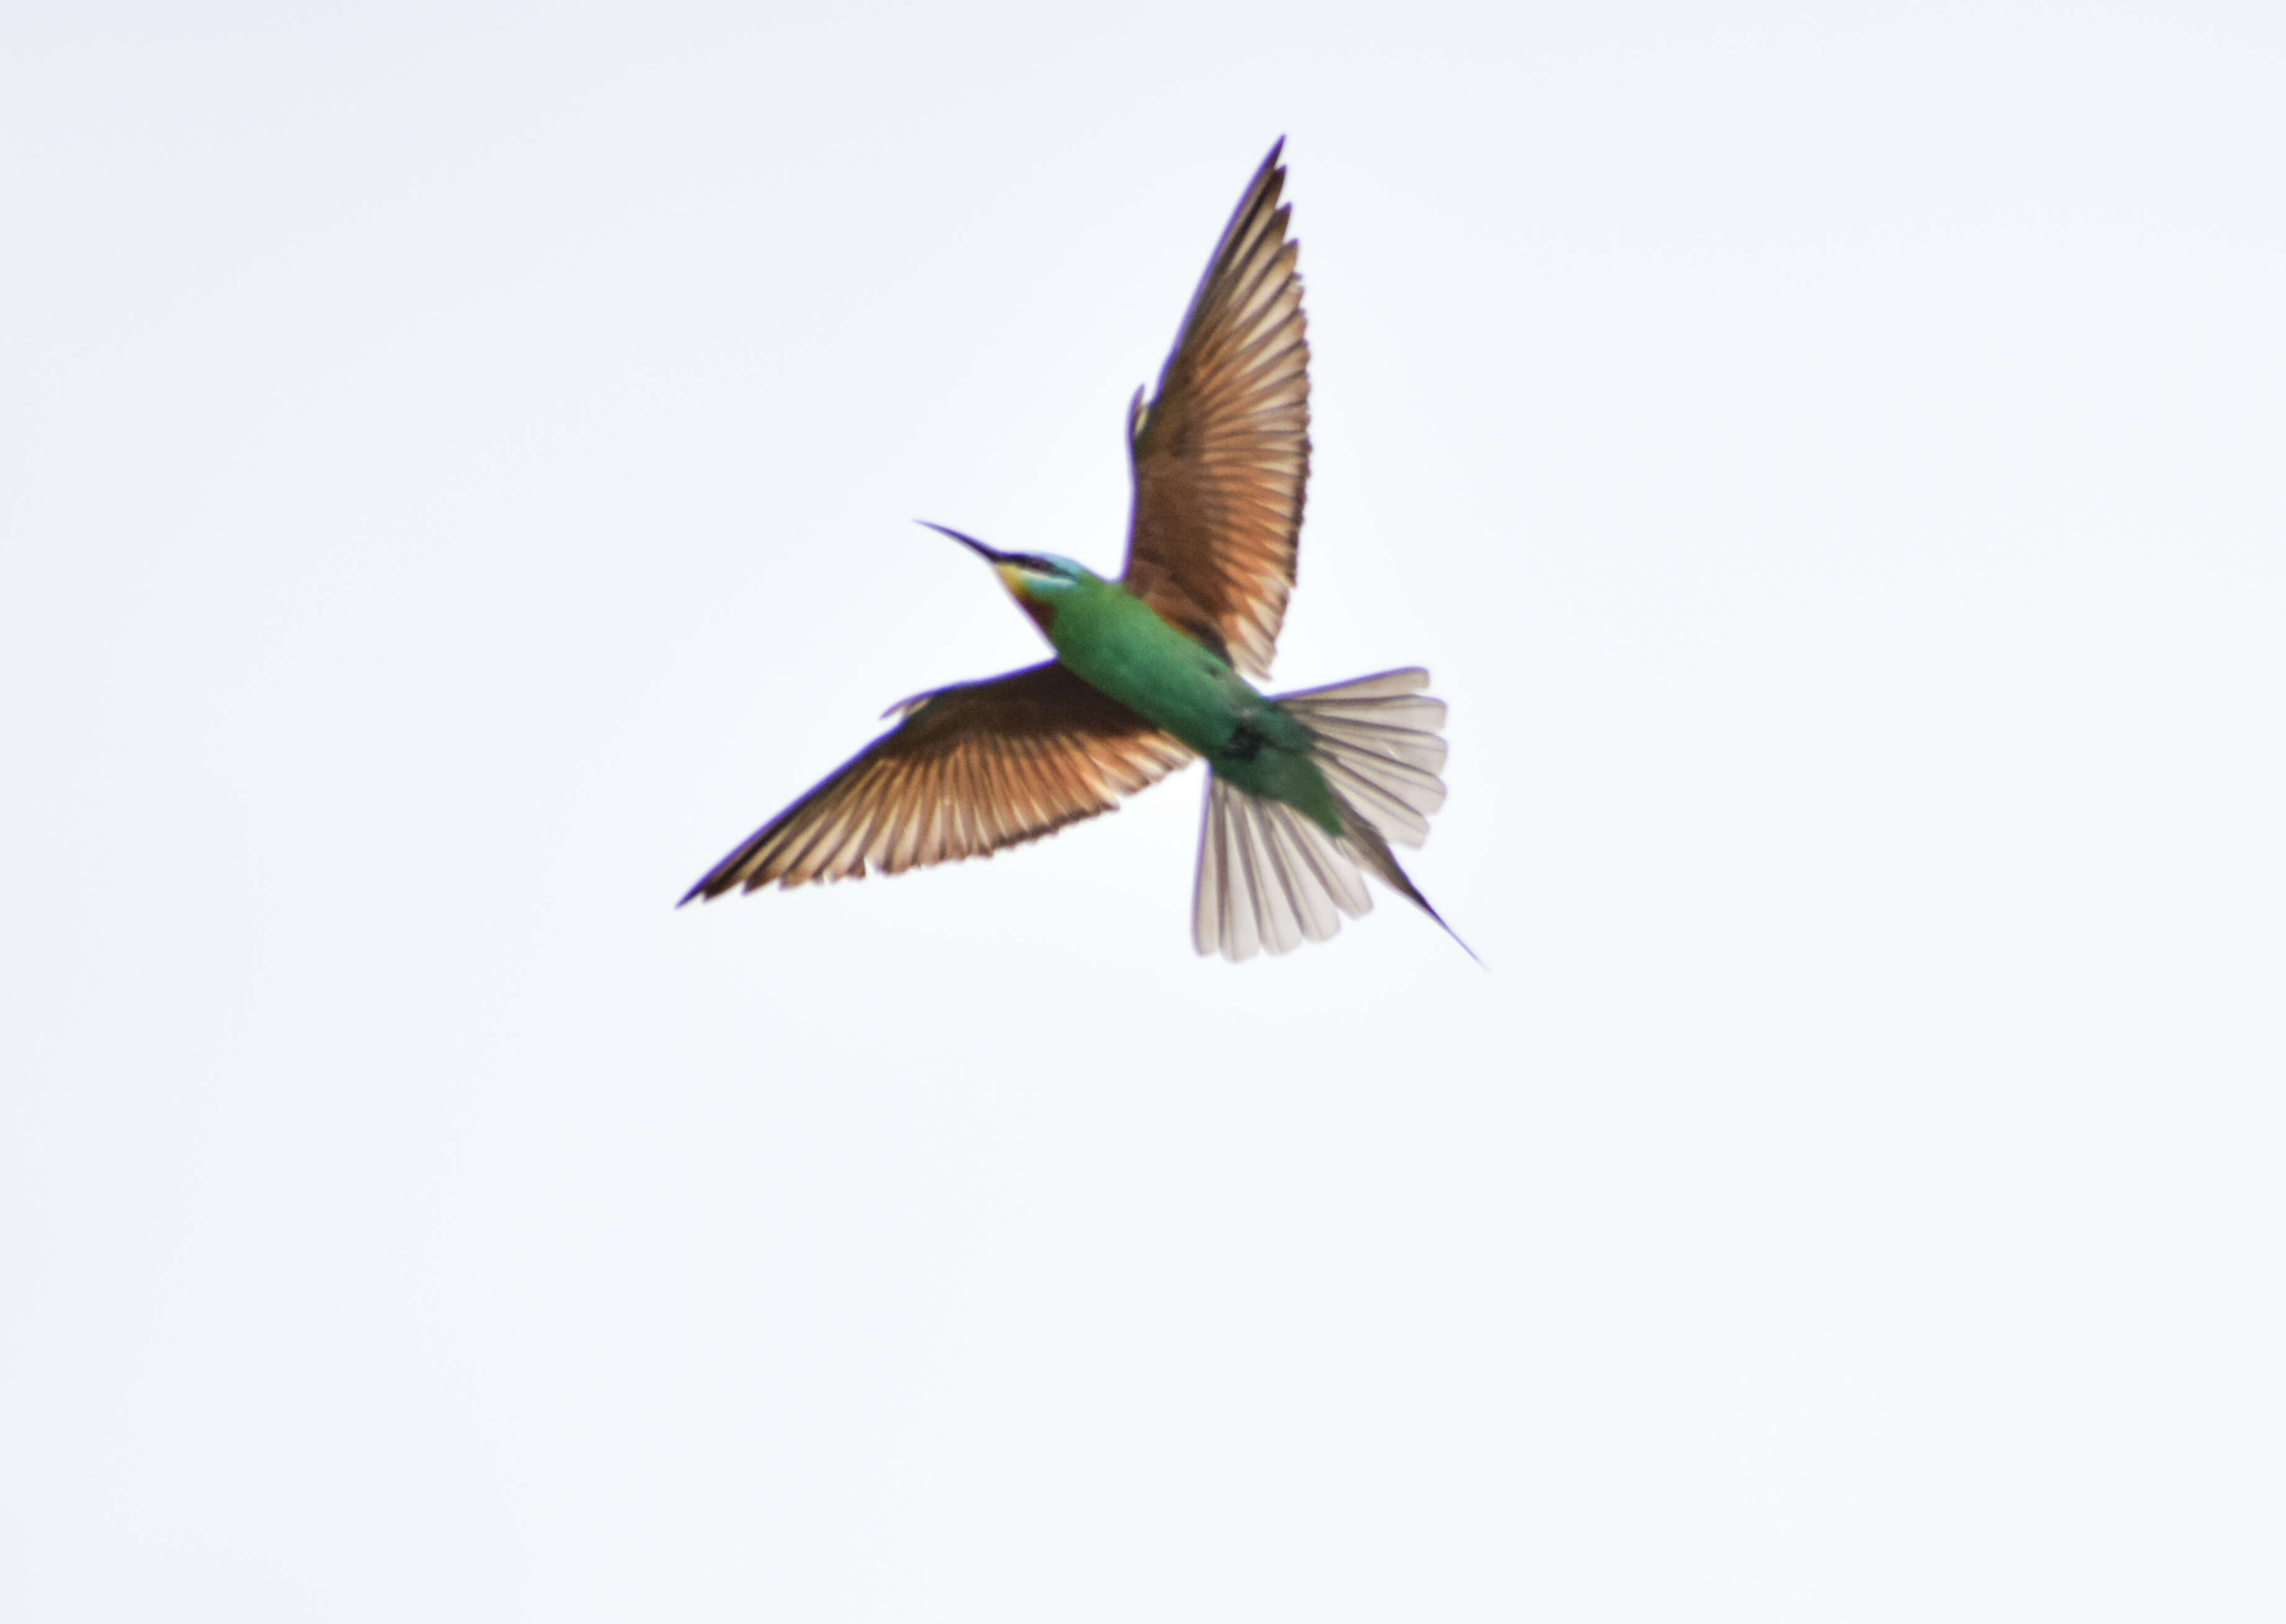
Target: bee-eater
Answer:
[[1305, 789]]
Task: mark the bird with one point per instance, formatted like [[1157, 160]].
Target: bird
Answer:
[[1306, 792]]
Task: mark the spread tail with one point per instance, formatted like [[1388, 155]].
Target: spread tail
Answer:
[[1269, 876]]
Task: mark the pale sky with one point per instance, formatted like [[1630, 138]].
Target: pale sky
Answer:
[[457, 475]]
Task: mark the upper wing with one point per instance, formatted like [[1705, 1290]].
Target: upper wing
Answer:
[[1223, 450], [972, 767]]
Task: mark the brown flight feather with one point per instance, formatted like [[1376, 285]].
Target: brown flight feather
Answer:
[[971, 768], [1222, 452]]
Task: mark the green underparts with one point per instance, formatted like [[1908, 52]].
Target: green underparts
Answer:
[[1119, 645]]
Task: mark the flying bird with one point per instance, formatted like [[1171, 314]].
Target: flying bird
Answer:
[[1306, 792]]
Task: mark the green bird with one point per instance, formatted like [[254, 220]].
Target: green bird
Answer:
[[1307, 790]]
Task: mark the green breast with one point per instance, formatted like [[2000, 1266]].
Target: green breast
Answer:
[[1117, 644]]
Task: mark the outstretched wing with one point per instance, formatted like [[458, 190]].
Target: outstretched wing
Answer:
[[971, 768], [1222, 452]]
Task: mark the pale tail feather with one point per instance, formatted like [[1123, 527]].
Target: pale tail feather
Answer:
[[1270, 877], [1379, 747]]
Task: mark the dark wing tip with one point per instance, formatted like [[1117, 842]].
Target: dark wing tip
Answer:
[[720, 879]]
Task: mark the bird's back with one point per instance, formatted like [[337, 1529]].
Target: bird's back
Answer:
[[1118, 644]]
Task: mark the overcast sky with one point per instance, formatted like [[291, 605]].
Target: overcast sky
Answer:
[[457, 475]]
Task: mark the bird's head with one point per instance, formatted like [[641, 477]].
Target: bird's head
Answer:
[[1037, 581]]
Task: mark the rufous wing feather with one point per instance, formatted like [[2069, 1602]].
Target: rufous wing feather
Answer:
[[970, 770], [1222, 452]]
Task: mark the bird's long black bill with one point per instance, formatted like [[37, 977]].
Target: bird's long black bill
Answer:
[[990, 555]]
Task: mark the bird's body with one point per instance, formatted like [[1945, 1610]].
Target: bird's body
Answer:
[[1121, 647], [1305, 789]]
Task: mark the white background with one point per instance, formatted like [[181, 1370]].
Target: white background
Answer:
[[457, 468]]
